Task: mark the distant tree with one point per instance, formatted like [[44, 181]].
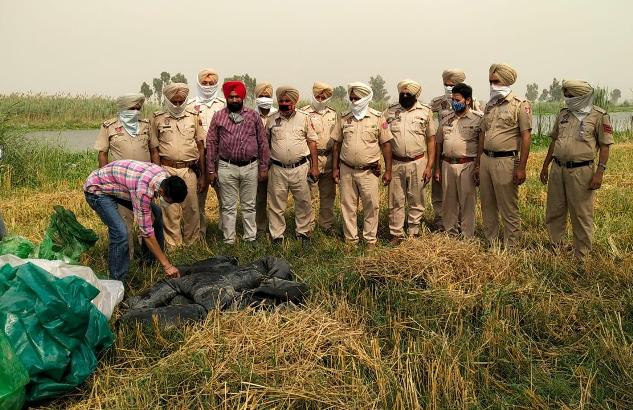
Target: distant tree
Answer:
[[532, 92], [158, 89], [165, 77], [249, 82], [615, 96], [377, 85], [179, 78], [544, 95], [555, 91], [339, 92], [146, 90]]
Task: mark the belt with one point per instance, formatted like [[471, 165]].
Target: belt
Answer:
[[407, 159], [239, 163], [500, 154], [295, 165], [360, 167], [177, 164], [572, 164], [324, 152], [457, 160]]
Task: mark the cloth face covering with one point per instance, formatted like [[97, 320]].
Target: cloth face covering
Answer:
[[173, 109], [129, 119], [580, 106], [359, 108], [499, 91], [319, 105], [208, 93], [265, 103]]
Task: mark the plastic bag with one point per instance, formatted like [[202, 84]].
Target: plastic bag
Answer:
[[65, 238], [55, 330], [16, 245], [13, 377]]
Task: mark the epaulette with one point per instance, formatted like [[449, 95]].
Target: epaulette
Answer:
[[426, 105], [394, 105], [191, 101], [191, 111], [222, 99], [375, 112], [600, 109], [438, 98], [477, 113], [143, 120], [346, 113], [305, 107], [157, 113], [516, 97], [109, 122], [302, 112]]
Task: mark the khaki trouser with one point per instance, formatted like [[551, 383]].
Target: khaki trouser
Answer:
[[360, 185], [128, 217], [325, 190], [202, 204], [499, 196], [406, 188], [568, 190], [458, 201], [238, 183], [282, 181], [186, 213], [436, 199], [261, 201]]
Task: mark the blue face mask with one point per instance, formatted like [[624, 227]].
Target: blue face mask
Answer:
[[458, 106]]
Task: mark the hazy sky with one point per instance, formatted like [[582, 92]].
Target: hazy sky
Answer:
[[111, 47]]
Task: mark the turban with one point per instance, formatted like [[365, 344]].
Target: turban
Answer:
[[289, 91], [176, 90], [264, 90], [360, 89], [127, 101], [410, 86], [506, 74], [237, 86], [322, 88], [208, 74], [577, 88], [453, 75]]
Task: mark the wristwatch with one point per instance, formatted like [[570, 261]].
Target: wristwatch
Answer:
[[602, 165]]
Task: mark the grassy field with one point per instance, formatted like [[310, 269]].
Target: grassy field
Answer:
[[434, 323]]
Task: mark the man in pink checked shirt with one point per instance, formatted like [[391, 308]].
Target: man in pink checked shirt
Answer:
[[134, 185]]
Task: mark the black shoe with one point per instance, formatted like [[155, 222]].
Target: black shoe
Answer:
[[278, 241], [305, 240]]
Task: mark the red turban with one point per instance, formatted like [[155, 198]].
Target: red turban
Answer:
[[236, 86]]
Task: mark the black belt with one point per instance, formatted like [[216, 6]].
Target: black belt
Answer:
[[239, 163], [572, 164], [457, 160], [407, 159], [324, 152], [373, 165], [500, 154], [295, 165]]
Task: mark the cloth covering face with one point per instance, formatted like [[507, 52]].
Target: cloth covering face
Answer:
[[364, 91]]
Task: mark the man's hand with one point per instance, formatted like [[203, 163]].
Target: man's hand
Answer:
[[211, 178], [202, 183], [476, 174], [427, 175], [314, 172], [336, 175], [438, 175], [544, 175], [171, 271], [596, 181], [386, 177], [263, 175], [519, 176]]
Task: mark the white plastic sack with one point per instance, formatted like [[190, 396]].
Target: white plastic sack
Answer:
[[110, 291]]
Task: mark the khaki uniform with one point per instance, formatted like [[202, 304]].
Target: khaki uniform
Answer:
[[360, 146], [410, 130], [459, 137], [261, 219], [503, 123], [206, 111], [568, 188], [289, 145], [114, 140], [177, 141], [326, 127], [440, 105]]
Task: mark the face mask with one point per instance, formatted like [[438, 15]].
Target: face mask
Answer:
[[207, 93], [359, 108], [265, 103], [458, 106], [175, 110], [448, 90], [284, 107], [499, 91], [129, 119], [235, 107], [580, 106], [319, 105], [406, 101]]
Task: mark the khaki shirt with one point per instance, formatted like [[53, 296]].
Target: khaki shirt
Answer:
[[576, 141], [360, 139], [441, 105], [267, 116], [324, 124], [289, 137], [460, 135], [178, 137], [409, 129], [206, 111], [115, 140], [504, 120]]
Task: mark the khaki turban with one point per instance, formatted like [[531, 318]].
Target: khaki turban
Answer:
[[322, 88], [360, 89], [208, 74], [507, 74], [288, 91], [264, 90], [410, 86], [176, 90], [127, 101], [577, 88], [453, 75]]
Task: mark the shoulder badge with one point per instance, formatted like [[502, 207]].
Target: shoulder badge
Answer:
[[305, 108], [374, 112], [157, 113], [109, 122], [599, 109], [143, 120]]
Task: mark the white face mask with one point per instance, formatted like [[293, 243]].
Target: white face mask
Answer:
[[208, 93], [359, 108], [175, 110], [265, 103], [580, 106], [319, 105], [448, 90], [129, 119], [499, 91]]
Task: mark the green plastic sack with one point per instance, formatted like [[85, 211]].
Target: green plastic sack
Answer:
[[13, 377], [16, 245], [65, 238], [56, 332]]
